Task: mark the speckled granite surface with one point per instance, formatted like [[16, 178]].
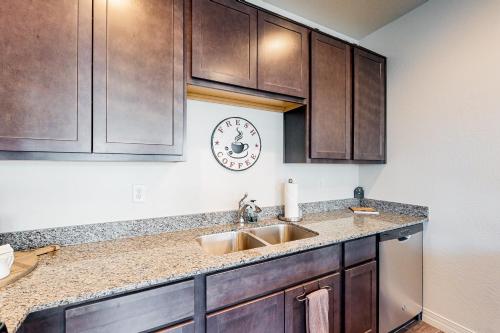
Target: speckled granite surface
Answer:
[[98, 232], [89, 271], [396, 207]]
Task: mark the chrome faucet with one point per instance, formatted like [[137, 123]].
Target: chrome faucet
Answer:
[[247, 210]]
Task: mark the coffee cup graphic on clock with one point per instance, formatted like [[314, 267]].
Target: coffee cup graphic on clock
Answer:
[[238, 147]]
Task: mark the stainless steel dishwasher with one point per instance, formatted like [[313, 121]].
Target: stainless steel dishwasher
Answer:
[[400, 276]]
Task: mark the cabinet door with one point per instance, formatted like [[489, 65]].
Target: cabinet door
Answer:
[[361, 298], [181, 328], [369, 106], [295, 310], [224, 42], [331, 95], [138, 77], [264, 315], [45, 76], [283, 60]]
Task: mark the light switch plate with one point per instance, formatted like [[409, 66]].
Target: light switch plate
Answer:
[[139, 193]]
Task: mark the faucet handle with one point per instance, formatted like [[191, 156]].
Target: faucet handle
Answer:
[[256, 208], [242, 201], [252, 210]]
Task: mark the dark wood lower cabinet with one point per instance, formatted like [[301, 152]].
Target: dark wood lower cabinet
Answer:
[[360, 250], [237, 285], [256, 298], [137, 312], [361, 299], [295, 310], [181, 328], [264, 315]]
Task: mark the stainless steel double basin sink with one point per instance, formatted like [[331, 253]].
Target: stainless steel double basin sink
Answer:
[[234, 241]]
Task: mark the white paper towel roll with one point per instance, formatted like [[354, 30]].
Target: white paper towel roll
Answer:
[[291, 199]]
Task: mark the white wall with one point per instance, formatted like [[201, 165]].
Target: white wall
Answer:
[[444, 151], [41, 194]]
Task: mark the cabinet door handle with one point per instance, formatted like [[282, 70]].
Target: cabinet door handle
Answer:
[[404, 239]]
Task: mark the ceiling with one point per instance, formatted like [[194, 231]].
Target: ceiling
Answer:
[[354, 18]]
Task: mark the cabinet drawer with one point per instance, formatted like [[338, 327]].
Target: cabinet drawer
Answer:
[[234, 286], [136, 312], [265, 314], [360, 250], [181, 328]]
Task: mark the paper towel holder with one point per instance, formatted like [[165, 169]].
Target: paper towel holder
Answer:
[[282, 217]]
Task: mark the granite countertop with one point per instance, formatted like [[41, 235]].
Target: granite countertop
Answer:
[[89, 271]]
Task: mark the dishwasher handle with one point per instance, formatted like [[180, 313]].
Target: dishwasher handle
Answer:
[[401, 234]]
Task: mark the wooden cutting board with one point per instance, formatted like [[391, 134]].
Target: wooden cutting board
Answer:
[[25, 262]]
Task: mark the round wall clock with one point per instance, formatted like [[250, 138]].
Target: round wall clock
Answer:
[[236, 143]]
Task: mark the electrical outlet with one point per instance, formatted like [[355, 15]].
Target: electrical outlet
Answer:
[[139, 193]]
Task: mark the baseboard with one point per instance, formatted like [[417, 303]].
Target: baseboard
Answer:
[[444, 324]]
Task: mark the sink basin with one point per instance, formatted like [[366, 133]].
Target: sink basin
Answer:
[[234, 241], [282, 233], [228, 242]]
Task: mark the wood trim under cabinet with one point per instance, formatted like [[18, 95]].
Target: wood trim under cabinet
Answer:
[[205, 94]]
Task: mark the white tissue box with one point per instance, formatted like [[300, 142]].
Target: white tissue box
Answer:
[[6, 260]]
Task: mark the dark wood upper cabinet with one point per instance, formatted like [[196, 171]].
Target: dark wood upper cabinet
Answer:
[[295, 309], [138, 77], [264, 315], [224, 42], [105, 79], [45, 76], [283, 61], [331, 95], [369, 106], [360, 299]]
